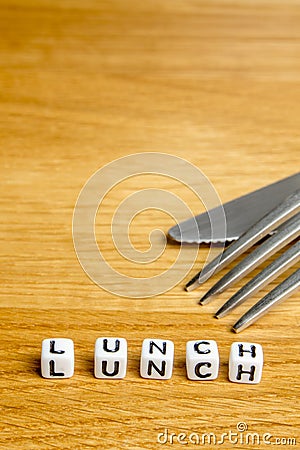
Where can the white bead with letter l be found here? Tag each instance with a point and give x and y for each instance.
(57, 358)
(157, 359)
(245, 362)
(110, 358)
(202, 360)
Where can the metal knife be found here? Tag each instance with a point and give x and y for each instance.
(241, 213)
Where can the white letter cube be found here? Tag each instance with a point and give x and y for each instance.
(157, 359)
(57, 358)
(245, 362)
(110, 358)
(202, 360)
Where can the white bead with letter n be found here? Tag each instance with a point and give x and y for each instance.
(157, 359)
(110, 358)
(57, 358)
(202, 360)
(245, 362)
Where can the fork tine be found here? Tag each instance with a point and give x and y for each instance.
(287, 231)
(269, 222)
(276, 296)
(262, 279)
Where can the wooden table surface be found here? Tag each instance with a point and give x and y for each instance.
(83, 83)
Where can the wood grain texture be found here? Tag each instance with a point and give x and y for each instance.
(83, 83)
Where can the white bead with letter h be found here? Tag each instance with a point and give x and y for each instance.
(245, 362)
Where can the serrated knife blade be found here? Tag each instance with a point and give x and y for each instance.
(241, 213)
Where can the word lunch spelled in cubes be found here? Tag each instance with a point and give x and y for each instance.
(157, 355)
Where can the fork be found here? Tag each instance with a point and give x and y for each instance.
(284, 224)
